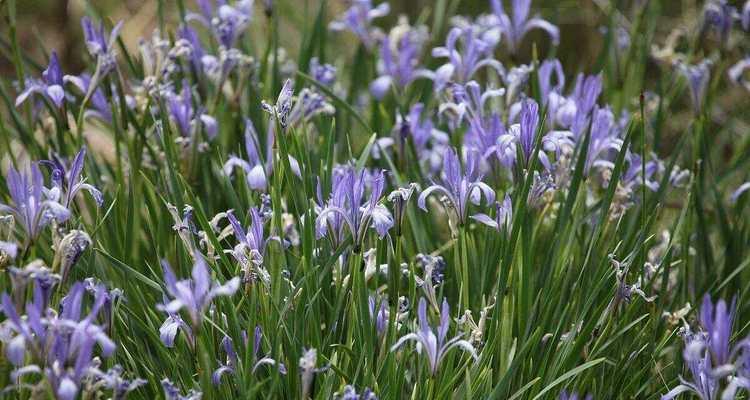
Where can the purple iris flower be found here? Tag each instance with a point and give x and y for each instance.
(459, 187)
(474, 54)
(348, 209)
(585, 94)
(308, 104)
(431, 340)
(187, 118)
(251, 249)
(703, 383)
(350, 393)
(632, 175)
(108, 298)
(195, 294)
(358, 19)
(469, 104)
(255, 238)
(564, 395)
(100, 106)
(60, 345)
(196, 47)
(528, 127)
(503, 216)
(745, 16)
(113, 379)
(522, 134)
(255, 170)
(99, 45)
(230, 366)
(170, 328)
(232, 358)
(323, 73)
(67, 180)
(379, 317)
(717, 321)
(710, 356)
(227, 22)
(515, 27)
(399, 60)
(43, 279)
(551, 79)
(419, 128)
(31, 206)
(172, 392)
(698, 76)
(718, 16)
(737, 71)
(604, 139)
(50, 86)
(428, 141)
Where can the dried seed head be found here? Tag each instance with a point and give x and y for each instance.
(69, 250)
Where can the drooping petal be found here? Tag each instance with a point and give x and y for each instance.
(67, 389)
(227, 289)
(400, 342)
(25, 94)
(216, 376)
(538, 23)
(256, 178)
(485, 219)
(56, 94)
(675, 392)
(168, 331)
(380, 86)
(422, 199)
(382, 220)
(16, 350)
(444, 320)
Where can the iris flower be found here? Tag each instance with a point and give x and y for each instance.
(459, 187)
(67, 180)
(432, 341)
(232, 357)
(358, 19)
(50, 86)
(467, 52)
(30, 206)
(399, 59)
(348, 208)
(196, 294)
(100, 45)
(503, 216)
(698, 76)
(517, 25)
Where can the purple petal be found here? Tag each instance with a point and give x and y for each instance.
(16, 350)
(380, 86)
(56, 94)
(67, 389)
(485, 219)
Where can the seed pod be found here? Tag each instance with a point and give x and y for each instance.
(69, 250)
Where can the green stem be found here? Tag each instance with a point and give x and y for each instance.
(465, 281)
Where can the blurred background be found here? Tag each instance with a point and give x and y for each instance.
(54, 24)
(44, 25)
